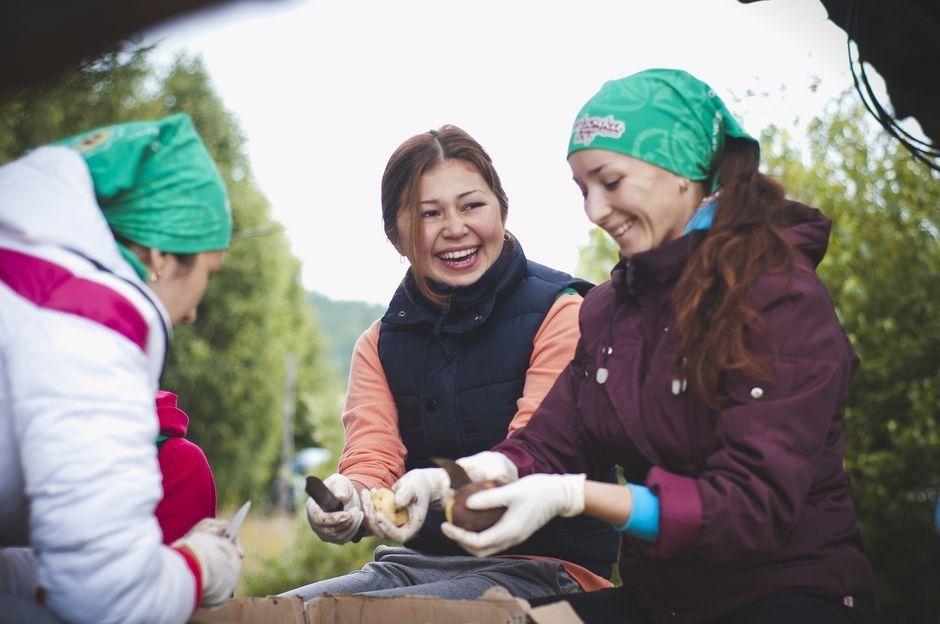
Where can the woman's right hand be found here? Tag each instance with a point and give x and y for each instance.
(219, 558)
(530, 503)
(341, 526)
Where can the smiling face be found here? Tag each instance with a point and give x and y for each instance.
(180, 286)
(461, 231)
(641, 206)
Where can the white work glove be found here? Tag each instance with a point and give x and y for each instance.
(337, 527)
(530, 503)
(220, 559)
(416, 491)
(489, 466)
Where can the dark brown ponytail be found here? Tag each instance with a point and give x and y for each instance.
(745, 241)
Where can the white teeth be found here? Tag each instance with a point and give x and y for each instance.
(623, 228)
(457, 255)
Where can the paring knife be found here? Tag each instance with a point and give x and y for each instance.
(458, 476)
(323, 497)
(318, 491)
(232, 530)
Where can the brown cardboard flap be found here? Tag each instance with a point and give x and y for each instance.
(495, 607)
(271, 610)
(348, 609)
(555, 613)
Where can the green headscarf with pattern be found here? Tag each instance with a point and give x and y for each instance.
(157, 186)
(666, 117)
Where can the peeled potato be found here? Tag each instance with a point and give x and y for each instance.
(383, 499)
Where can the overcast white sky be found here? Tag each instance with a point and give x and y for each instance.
(326, 89)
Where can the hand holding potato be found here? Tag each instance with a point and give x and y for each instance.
(458, 514)
(412, 495)
(383, 501)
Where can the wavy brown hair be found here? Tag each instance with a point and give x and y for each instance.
(745, 241)
(415, 157)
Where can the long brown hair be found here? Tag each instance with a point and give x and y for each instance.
(745, 241)
(415, 157)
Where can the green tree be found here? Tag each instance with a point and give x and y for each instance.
(231, 366)
(597, 258)
(343, 322)
(882, 272)
(99, 92)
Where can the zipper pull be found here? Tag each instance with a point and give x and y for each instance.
(679, 384)
(602, 372)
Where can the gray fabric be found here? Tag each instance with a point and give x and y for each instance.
(406, 572)
(19, 610)
(18, 567)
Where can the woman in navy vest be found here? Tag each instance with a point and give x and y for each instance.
(474, 337)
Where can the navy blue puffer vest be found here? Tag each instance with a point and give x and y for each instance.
(456, 374)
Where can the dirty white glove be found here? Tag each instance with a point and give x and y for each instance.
(489, 466)
(416, 491)
(337, 527)
(530, 501)
(220, 559)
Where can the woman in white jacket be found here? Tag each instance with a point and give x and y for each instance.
(107, 239)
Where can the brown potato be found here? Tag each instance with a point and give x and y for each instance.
(476, 520)
(383, 499)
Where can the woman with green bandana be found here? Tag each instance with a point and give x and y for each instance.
(711, 368)
(107, 240)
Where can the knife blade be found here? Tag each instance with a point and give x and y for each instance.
(236, 523)
(458, 476)
(322, 495)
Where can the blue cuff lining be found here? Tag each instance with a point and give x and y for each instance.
(644, 521)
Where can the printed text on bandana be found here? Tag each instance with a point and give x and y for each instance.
(587, 128)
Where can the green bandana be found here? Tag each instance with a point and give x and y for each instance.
(666, 117)
(157, 186)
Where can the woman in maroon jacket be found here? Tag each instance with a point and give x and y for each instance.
(712, 368)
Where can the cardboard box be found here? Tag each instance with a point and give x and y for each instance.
(495, 607)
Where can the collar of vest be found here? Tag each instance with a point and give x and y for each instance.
(468, 307)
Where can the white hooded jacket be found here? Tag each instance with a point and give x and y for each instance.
(82, 345)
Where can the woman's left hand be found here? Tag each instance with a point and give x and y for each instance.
(530, 503)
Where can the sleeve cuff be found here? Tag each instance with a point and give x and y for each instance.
(193, 563)
(644, 519)
(680, 512)
(524, 462)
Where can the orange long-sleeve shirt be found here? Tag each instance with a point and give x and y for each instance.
(374, 454)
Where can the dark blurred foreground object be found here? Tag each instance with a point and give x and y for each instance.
(40, 38)
(899, 39)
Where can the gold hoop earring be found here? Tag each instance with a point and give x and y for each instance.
(507, 236)
(684, 186)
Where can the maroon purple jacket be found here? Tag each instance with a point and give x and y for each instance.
(754, 497)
